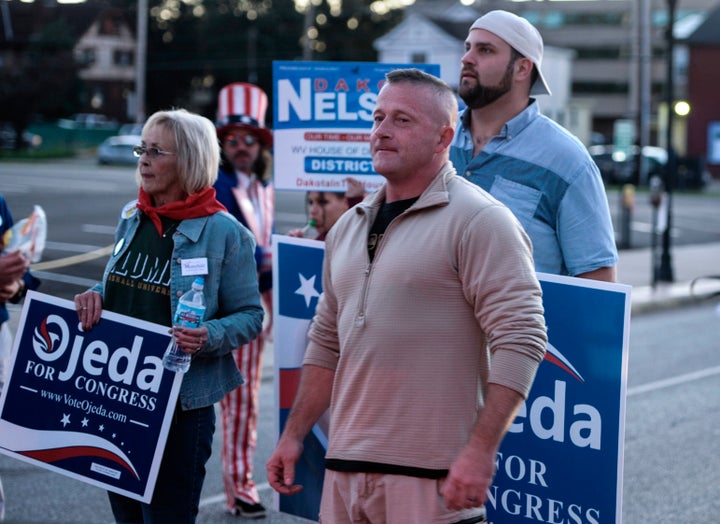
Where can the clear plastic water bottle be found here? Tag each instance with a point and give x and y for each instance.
(189, 313)
(308, 227)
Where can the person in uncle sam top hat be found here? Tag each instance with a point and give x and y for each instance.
(244, 187)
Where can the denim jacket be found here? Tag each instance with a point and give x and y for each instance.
(234, 314)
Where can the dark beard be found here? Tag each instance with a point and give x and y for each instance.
(482, 96)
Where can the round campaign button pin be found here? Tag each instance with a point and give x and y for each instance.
(129, 210)
(118, 246)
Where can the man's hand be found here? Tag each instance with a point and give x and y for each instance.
(312, 400)
(472, 472)
(281, 466)
(468, 480)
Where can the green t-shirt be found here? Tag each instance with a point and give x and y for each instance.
(139, 283)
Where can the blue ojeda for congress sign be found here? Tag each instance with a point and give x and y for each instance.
(561, 461)
(95, 406)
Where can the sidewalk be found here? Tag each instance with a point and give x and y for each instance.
(688, 263)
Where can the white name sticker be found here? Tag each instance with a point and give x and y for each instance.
(194, 266)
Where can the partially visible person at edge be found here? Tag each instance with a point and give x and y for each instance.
(326, 207)
(177, 219)
(244, 187)
(15, 280)
(534, 166)
(420, 396)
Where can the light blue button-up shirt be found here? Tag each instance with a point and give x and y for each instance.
(549, 181)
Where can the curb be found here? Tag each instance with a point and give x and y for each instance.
(647, 299)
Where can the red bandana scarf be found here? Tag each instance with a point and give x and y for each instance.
(197, 205)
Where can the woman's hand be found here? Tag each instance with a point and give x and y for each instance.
(12, 267)
(89, 308)
(297, 233)
(7, 291)
(190, 340)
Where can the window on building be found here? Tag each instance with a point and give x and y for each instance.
(604, 88)
(558, 19)
(418, 58)
(123, 57)
(85, 57)
(598, 53)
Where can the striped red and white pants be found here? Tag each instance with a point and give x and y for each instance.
(239, 425)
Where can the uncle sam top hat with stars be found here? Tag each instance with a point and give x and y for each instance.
(243, 105)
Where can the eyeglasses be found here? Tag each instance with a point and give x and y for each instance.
(248, 140)
(152, 152)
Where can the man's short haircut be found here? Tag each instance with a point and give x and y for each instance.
(419, 77)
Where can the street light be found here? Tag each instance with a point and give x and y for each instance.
(664, 271)
(682, 108)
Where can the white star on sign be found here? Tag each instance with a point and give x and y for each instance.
(307, 288)
(65, 420)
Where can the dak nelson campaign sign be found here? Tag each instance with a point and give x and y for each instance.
(95, 406)
(322, 116)
(561, 461)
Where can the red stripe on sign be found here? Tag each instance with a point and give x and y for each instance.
(51, 456)
(289, 382)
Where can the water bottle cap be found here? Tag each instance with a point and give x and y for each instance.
(199, 281)
(311, 223)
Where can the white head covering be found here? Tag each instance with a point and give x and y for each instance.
(522, 36)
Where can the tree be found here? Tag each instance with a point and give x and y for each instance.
(45, 82)
(193, 52)
(196, 47)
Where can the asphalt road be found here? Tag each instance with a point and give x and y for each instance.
(671, 463)
(82, 202)
(672, 467)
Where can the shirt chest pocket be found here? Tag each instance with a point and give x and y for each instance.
(522, 200)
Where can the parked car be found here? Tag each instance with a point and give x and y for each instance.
(118, 150)
(88, 121)
(131, 129)
(617, 167)
(8, 134)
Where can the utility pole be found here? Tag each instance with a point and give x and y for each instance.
(141, 60)
(309, 20)
(665, 270)
(252, 35)
(7, 22)
(644, 73)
